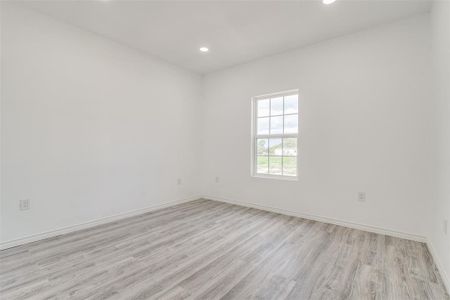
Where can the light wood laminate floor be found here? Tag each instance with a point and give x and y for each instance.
(211, 250)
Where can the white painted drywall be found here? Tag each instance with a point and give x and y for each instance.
(366, 124)
(90, 128)
(441, 54)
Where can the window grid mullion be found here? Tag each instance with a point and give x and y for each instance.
(255, 141)
(282, 145)
(270, 131)
(276, 136)
(291, 114)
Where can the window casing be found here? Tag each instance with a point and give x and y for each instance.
(275, 135)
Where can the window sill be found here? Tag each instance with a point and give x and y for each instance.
(276, 177)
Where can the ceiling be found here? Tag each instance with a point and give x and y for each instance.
(235, 31)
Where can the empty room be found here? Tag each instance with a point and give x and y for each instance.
(225, 149)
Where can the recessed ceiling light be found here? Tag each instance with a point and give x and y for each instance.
(204, 49)
(328, 1)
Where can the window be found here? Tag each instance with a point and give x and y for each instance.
(275, 135)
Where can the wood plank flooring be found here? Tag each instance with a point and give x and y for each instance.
(210, 250)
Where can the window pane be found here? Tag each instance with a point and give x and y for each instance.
(263, 107)
(275, 147)
(290, 166)
(276, 106)
(275, 165)
(277, 121)
(263, 126)
(262, 164)
(291, 104)
(276, 125)
(291, 124)
(290, 146)
(262, 146)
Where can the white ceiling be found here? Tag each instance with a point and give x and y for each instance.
(235, 31)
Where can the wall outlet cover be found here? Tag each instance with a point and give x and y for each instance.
(24, 204)
(361, 196)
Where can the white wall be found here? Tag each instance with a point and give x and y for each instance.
(366, 124)
(90, 128)
(441, 53)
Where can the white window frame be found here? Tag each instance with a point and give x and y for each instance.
(254, 135)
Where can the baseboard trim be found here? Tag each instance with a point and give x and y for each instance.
(439, 265)
(104, 220)
(92, 223)
(364, 227)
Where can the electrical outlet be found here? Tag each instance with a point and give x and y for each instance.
(445, 226)
(217, 179)
(24, 204)
(362, 197)
(179, 181)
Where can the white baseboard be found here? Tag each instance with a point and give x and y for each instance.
(439, 265)
(104, 220)
(364, 227)
(408, 236)
(92, 223)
